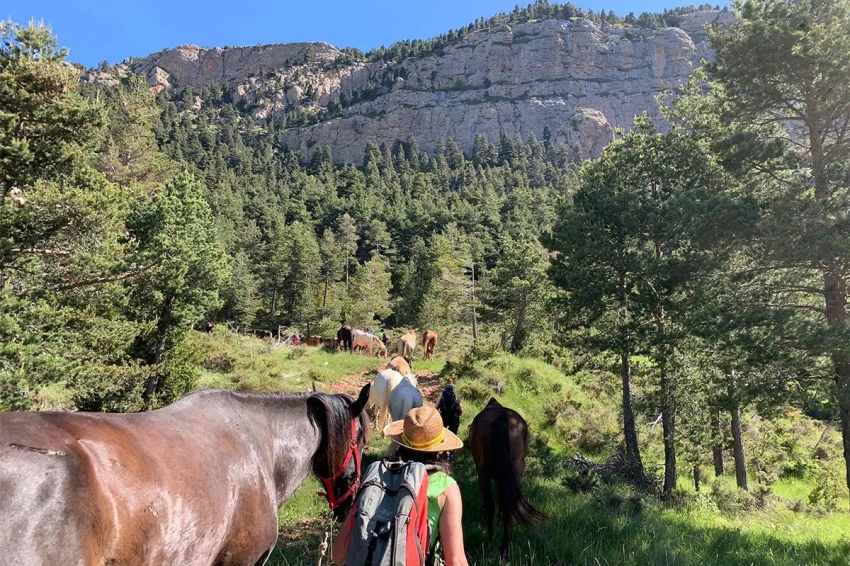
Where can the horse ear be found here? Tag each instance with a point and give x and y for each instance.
(360, 404)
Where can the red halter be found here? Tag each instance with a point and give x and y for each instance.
(333, 500)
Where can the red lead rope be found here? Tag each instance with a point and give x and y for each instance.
(333, 501)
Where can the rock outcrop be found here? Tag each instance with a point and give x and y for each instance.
(578, 79)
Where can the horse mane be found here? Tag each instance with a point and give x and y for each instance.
(331, 415)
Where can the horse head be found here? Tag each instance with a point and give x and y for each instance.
(344, 430)
(413, 378)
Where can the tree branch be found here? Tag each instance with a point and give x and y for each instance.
(99, 280)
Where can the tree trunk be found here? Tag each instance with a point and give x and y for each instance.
(737, 437)
(629, 429)
(474, 320)
(834, 289)
(697, 478)
(518, 329)
(842, 380)
(835, 295)
(668, 424)
(325, 295)
(162, 329)
(717, 447)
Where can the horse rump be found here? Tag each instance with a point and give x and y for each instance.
(514, 507)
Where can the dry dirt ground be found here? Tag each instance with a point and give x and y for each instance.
(429, 384)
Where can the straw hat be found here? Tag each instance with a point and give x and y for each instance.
(422, 430)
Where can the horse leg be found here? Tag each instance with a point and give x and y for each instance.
(503, 548)
(487, 507)
(382, 417)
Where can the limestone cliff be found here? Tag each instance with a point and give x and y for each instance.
(580, 79)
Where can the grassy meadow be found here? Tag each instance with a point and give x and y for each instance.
(591, 521)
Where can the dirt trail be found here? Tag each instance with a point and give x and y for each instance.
(429, 384)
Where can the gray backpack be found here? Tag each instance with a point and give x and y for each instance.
(389, 521)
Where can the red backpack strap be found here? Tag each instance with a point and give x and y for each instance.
(418, 531)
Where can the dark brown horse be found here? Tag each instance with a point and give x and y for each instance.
(196, 483)
(343, 335)
(498, 439)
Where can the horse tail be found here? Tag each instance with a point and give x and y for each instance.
(513, 505)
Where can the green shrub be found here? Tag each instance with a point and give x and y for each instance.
(115, 389)
(826, 490)
(802, 468)
(730, 499)
(580, 481)
(474, 390)
(221, 362)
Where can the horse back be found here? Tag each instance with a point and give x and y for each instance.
(133, 489)
(47, 514)
(487, 429)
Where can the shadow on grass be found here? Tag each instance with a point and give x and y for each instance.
(585, 529)
(581, 529)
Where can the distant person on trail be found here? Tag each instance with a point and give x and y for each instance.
(208, 327)
(450, 408)
(384, 337)
(295, 340)
(421, 437)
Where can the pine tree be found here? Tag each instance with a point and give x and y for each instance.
(517, 289)
(784, 69)
(183, 268)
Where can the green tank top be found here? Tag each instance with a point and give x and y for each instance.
(438, 482)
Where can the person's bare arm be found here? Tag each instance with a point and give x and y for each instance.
(338, 550)
(451, 528)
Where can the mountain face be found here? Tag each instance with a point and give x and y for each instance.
(576, 79)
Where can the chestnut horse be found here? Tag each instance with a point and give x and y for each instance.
(196, 483)
(400, 365)
(498, 440)
(429, 342)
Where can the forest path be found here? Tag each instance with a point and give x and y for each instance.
(429, 383)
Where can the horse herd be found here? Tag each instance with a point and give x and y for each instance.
(353, 339)
(200, 482)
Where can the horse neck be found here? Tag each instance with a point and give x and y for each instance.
(294, 438)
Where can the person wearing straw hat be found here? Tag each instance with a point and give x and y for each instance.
(421, 437)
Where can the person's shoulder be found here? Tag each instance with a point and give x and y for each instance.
(441, 478)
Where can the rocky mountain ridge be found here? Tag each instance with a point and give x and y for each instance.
(576, 79)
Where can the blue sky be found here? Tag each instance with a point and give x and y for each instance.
(111, 30)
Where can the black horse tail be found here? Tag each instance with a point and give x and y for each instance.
(514, 508)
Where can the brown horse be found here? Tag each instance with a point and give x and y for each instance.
(196, 483)
(498, 439)
(400, 365)
(406, 345)
(429, 342)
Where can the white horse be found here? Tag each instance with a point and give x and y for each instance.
(379, 394)
(361, 339)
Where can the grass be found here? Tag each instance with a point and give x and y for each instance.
(248, 363)
(608, 525)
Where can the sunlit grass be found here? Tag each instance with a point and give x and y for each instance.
(245, 362)
(567, 413)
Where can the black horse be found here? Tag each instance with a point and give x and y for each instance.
(498, 439)
(343, 336)
(196, 483)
